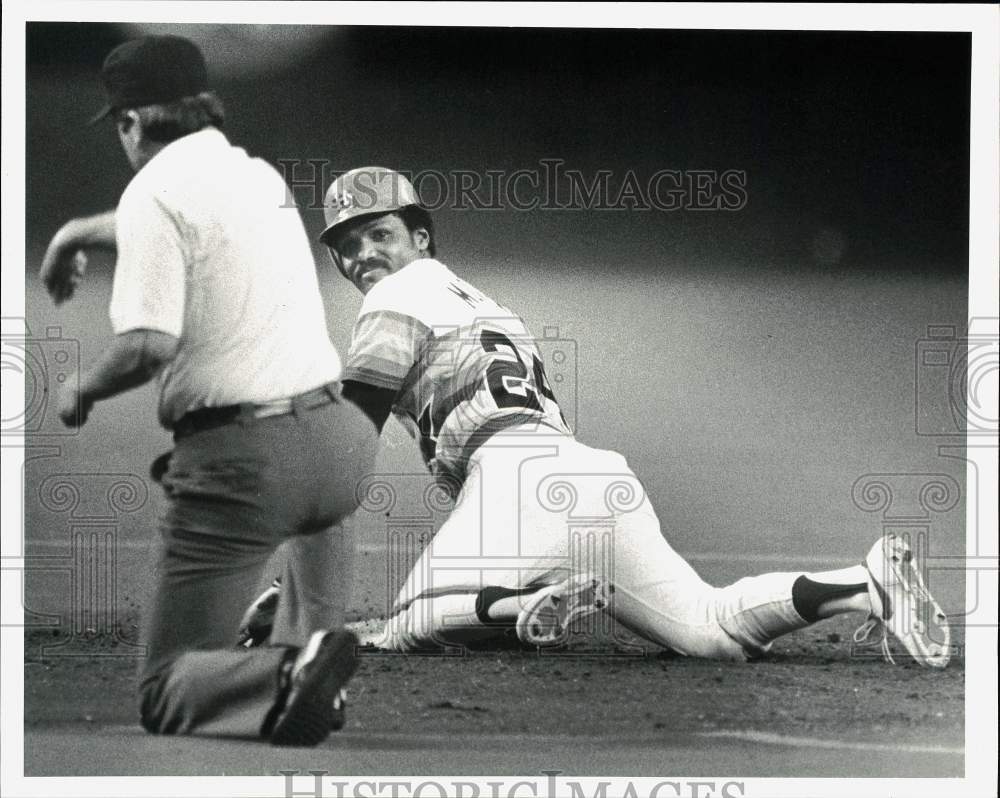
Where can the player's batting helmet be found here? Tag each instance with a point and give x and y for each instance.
(370, 189)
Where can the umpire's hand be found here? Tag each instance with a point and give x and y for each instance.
(65, 261)
(62, 268)
(74, 408)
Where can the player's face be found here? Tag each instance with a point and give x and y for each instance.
(372, 249)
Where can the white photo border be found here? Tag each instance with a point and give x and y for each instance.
(979, 20)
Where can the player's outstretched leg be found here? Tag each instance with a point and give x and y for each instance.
(887, 585)
(660, 597)
(415, 624)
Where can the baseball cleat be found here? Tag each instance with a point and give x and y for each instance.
(255, 626)
(902, 605)
(313, 696)
(548, 614)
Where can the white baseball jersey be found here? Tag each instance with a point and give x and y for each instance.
(465, 367)
(211, 250)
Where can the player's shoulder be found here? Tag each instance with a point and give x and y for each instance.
(418, 290)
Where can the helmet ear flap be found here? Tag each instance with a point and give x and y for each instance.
(335, 257)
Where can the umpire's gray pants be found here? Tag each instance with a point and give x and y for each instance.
(236, 492)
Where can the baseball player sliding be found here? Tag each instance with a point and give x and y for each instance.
(463, 373)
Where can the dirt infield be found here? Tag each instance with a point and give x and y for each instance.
(810, 708)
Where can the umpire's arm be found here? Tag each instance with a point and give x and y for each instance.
(147, 300)
(132, 359)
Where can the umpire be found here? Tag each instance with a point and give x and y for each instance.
(215, 291)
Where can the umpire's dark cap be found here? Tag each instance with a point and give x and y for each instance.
(151, 70)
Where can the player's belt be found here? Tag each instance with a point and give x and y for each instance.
(207, 418)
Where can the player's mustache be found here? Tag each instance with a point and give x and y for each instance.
(369, 265)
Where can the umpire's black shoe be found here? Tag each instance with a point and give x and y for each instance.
(306, 711)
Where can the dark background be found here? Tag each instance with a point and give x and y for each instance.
(856, 138)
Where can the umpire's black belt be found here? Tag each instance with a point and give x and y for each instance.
(207, 418)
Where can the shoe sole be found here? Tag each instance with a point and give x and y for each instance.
(257, 622)
(546, 619)
(309, 716)
(909, 623)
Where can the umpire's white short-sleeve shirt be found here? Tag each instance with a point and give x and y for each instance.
(212, 251)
